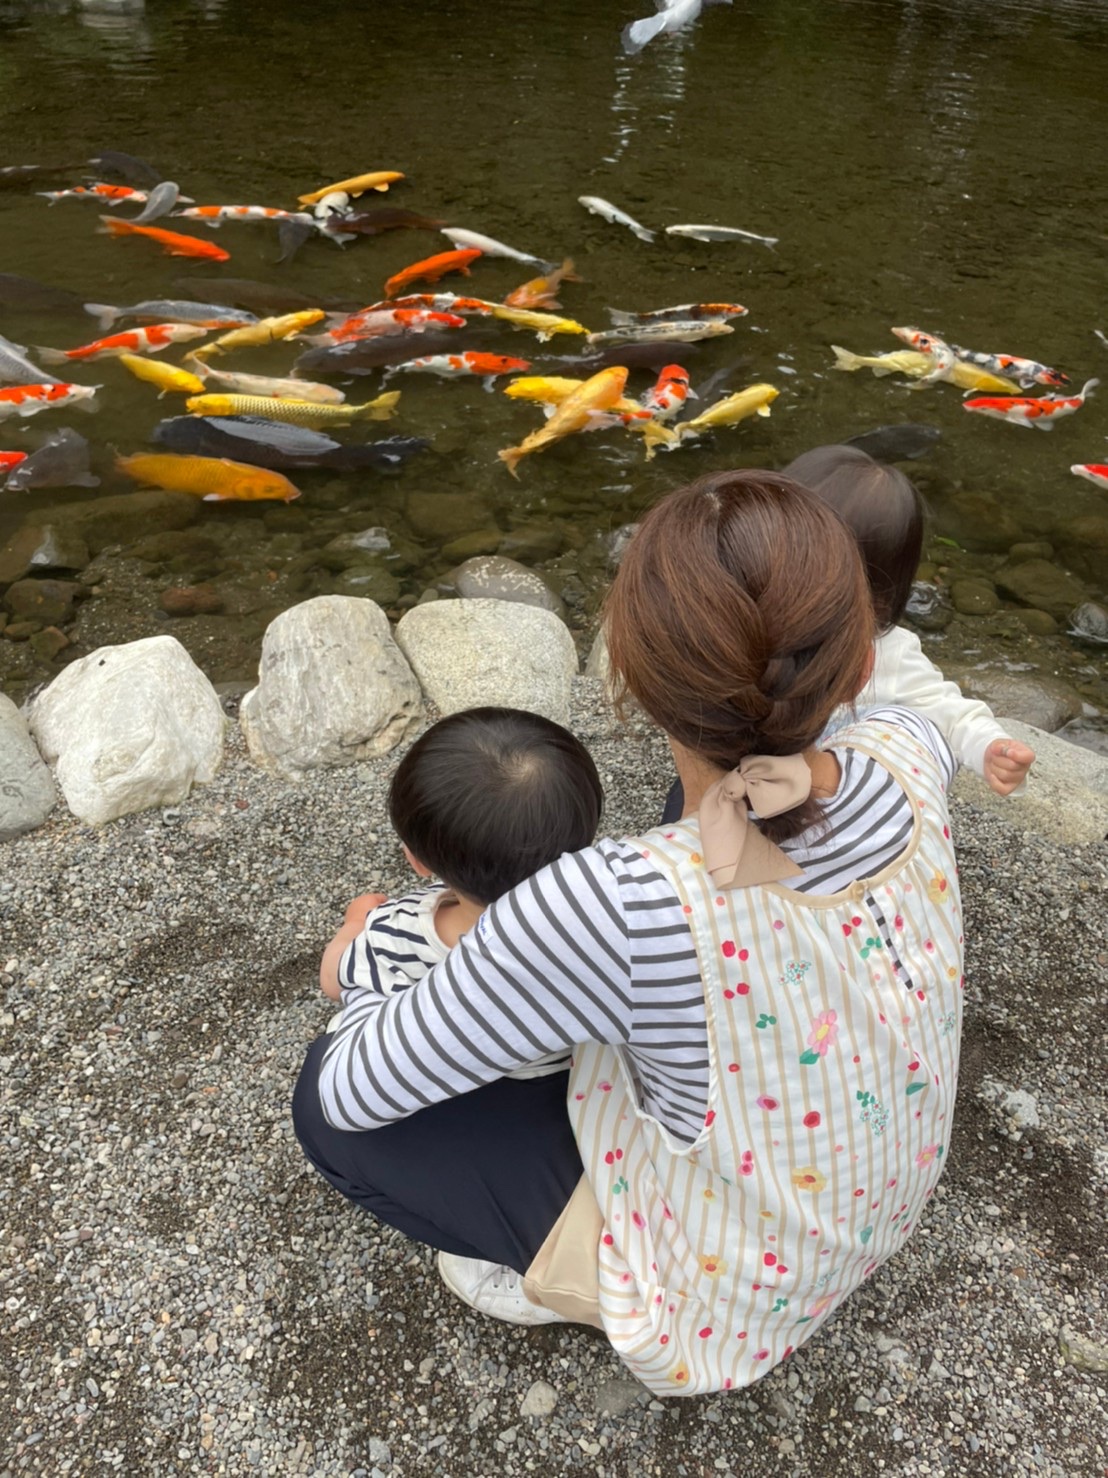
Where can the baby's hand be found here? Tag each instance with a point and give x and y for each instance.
(1007, 762)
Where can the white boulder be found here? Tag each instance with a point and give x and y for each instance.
(467, 653)
(333, 688)
(129, 727)
(26, 789)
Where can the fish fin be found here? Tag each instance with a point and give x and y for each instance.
(638, 34)
(645, 234)
(844, 358)
(1088, 387)
(763, 410)
(213, 498)
(621, 316)
(489, 383)
(511, 456)
(104, 313)
(89, 406)
(51, 356)
(112, 228)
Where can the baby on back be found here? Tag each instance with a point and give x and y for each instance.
(483, 800)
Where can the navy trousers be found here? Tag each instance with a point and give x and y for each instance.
(483, 1175)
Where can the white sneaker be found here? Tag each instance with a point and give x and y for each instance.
(493, 1289)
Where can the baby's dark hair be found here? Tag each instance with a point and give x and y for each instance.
(883, 511)
(489, 796)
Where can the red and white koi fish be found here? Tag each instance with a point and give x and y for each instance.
(1022, 410)
(939, 350)
(215, 215)
(1095, 472)
(487, 366)
(683, 313)
(28, 400)
(1025, 372)
(668, 394)
(150, 340)
(8, 460)
(112, 195)
(379, 323)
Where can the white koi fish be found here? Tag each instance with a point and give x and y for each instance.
(612, 213)
(721, 233)
(673, 15)
(492, 248)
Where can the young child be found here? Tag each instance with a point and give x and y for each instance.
(483, 800)
(885, 513)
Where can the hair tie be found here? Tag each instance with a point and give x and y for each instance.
(736, 853)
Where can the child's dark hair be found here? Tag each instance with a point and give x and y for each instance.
(489, 796)
(883, 511)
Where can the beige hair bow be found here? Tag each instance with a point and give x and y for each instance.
(735, 852)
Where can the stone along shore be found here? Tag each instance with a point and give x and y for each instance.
(182, 1294)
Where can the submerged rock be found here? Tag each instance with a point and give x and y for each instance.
(926, 609)
(1090, 622)
(46, 601)
(472, 652)
(974, 597)
(1034, 698)
(26, 790)
(48, 547)
(332, 688)
(1038, 583)
(493, 577)
(444, 516)
(126, 517)
(129, 727)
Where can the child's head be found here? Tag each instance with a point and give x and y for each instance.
(882, 509)
(489, 796)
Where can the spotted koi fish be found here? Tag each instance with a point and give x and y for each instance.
(8, 460)
(28, 400)
(377, 323)
(215, 215)
(487, 366)
(683, 313)
(112, 195)
(669, 393)
(1025, 372)
(1022, 410)
(940, 351)
(1095, 472)
(150, 340)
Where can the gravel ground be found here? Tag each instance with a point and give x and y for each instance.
(181, 1294)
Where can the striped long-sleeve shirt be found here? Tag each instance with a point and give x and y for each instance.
(594, 948)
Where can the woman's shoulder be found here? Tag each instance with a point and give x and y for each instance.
(900, 733)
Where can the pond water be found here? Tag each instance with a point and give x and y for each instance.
(921, 161)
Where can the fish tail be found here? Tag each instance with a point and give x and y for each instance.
(112, 227)
(192, 358)
(844, 359)
(569, 272)
(51, 356)
(380, 409)
(104, 313)
(1088, 387)
(89, 406)
(511, 457)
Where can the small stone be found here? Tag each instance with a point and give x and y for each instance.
(1030, 549)
(378, 1452)
(191, 600)
(444, 516)
(1038, 583)
(21, 630)
(481, 541)
(493, 577)
(1038, 623)
(1083, 1353)
(926, 609)
(46, 601)
(46, 644)
(863, 1403)
(50, 547)
(974, 597)
(540, 1400)
(1090, 622)
(616, 1396)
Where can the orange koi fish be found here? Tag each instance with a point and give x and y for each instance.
(576, 412)
(113, 194)
(215, 479)
(432, 268)
(488, 366)
(150, 340)
(1096, 472)
(540, 291)
(170, 241)
(1025, 410)
(379, 179)
(8, 460)
(28, 400)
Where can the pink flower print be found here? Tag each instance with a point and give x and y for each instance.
(746, 1164)
(821, 1038)
(928, 1155)
(639, 1220)
(728, 948)
(766, 1102)
(604, 1087)
(821, 1305)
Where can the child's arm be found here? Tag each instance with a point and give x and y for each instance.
(903, 675)
(352, 926)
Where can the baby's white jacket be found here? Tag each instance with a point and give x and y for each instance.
(904, 676)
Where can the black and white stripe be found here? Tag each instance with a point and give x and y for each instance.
(593, 948)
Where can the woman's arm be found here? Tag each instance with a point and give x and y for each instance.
(546, 967)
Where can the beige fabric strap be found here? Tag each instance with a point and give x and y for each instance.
(565, 1273)
(735, 852)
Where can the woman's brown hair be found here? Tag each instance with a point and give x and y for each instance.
(883, 510)
(739, 619)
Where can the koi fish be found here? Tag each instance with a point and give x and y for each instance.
(661, 333)
(721, 233)
(1025, 372)
(113, 194)
(165, 376)
(215, 215)
(258, 297)
(28, 400)
(127, 166)
(386, 218)
(669, 393)
(430, 269)
(488, 366)
(150, 340)
(279, 444)
(545, 325)
(616, 217)
(1024, 410)
(204, 315)
(551, 391)
(299, 412)
(432, 302)
(683, 314)
(17, 369)
(915, 365)
(599, 393)
(376, 323)
(755, 400)
(160, 202)
(540, 291)
(62, 461)
(265, 385)
(490, 247)
(943, 356)
(8, 460)
(364, 356)
(379, 179)
(673, 15)
(264, 331)
(170, 241)
(1095, 472)
(215, 479)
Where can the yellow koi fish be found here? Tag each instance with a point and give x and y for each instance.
(552, 390)
(915, 365)
(755, 400)
(379, 179)
(265, 331)
(298, 412)
(281, 389)
(165, 376)
(599, 393)
(215, 479)
(544, 324)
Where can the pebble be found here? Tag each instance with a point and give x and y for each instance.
(540, 1400)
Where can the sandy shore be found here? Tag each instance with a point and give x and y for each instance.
(181, 1294)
